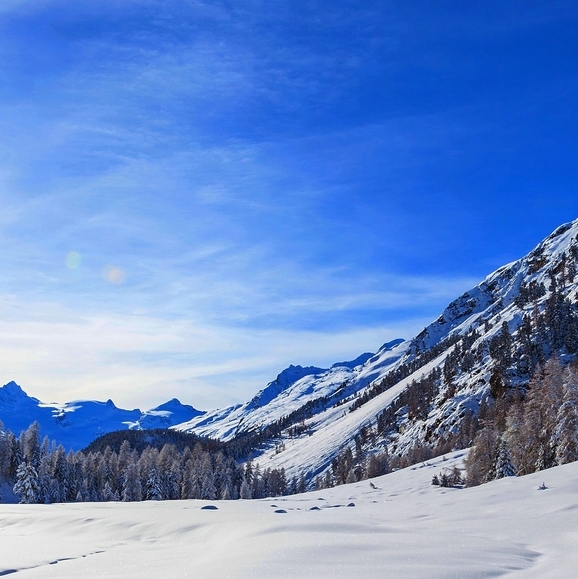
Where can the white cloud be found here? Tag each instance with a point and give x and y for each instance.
(59, 355)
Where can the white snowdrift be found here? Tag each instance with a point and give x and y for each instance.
(405, 528)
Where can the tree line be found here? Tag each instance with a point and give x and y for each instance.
(42, 472)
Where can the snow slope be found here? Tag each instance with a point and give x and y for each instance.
(293, 388)
(405, 528)
(330, 432)
(484, 309)
(76, 424)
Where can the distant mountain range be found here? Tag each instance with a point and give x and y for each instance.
(414, 392)
(76, 424)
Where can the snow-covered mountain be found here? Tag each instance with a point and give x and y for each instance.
(420, 392)
(409, 393)
(291, 390)
(76, 424)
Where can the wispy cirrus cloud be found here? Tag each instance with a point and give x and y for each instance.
(244, 186)
(140, 360)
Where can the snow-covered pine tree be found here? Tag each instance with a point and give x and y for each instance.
(27, 486)
(226, 494)
(108, 494)
(112, 474)
(503, 466)
(132, 488)
(30, 445)
(153, 491)
(75, 475)
(168, 462)
(208, 490)
(245, 492)
(54, 493)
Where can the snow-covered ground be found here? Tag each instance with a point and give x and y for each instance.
(404, 528)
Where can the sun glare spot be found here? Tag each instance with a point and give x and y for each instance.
(114, 275)
(72, 259)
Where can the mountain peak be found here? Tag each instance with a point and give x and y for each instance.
(353, 363)
(175, 404)
(562, 229)
(12, 392)
(391, 345)
(285, 379)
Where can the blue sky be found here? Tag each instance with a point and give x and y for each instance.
(197, 194)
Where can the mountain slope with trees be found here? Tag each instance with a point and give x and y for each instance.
(496, 369)
(479, 355)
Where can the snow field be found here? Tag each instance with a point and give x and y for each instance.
(405, 528)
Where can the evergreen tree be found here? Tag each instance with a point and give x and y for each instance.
(153, 491)
(30, 445)
(541, 408)
(54, 492)
(6, 447)
(27, 486)
(132, 488)
(76, 478)
(248, 474)
(187, 480)
(196, 489)
(168, 462)
(208, 490)
(571, 339)
(245, 492)
(515, 436)
(124, 456)
(207, 478)
(302, 484)
(108, 494)
(503, 466)
(226, 494)
(60, 474)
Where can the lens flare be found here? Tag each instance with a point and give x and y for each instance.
(114, 275)
(72, 259)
